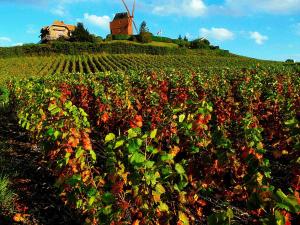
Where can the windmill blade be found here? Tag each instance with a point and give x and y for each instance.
(135, 27)
(126, 8)
(133, 9)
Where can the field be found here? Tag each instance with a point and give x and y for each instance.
(60, 64)
(144, 139)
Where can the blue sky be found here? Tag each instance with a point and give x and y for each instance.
(266, 29)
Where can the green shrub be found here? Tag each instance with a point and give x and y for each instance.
(6, 195)
(145, 37)
(224, 52)
(214, 47)
(121, 37)
(290, 61)
(81, 34)
(182, 43)
(97, 39)
(200, 44)
(109, 37)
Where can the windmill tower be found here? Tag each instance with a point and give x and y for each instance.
(122, 23)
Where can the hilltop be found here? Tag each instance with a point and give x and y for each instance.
(113, 46)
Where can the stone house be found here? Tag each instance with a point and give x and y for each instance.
(56, 30)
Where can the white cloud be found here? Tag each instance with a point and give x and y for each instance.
(59, 11)
(30, 29)
(220, 34)
(191, 8)
(100, 21)
(5, 39)
(297, 28)
(258, 38)
(60, 7)
(45, 2)
(18, 44)
(267, 6)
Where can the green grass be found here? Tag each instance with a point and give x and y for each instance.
(4, 98)
(7, 172)
(6, 194)
(153, 43)
(162, 44)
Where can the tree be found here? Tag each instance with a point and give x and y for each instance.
(145, 36)
(143, 27)
(81, 34)
(185, 38)
(180, 38)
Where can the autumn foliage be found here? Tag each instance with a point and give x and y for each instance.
(170, 147)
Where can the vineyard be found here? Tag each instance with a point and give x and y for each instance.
(182, 146)
(59, 64)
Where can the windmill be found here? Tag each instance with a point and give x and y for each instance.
(122, 22)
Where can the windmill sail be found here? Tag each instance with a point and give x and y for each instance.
(133, 9)
(126, 8)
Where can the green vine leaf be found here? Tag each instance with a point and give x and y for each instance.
(119, 144)
(110, 137)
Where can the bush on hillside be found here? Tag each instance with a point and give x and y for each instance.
(122, 37)
(290, 61)
(214, 47)
(145, 37)
(182, 43)
(224, 52)
(81, 34)
(200, 44)
(97, 39)
(109, 37)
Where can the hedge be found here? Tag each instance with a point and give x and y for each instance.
(78, 48)
(122, 37)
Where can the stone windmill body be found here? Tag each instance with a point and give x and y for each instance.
(122, 22)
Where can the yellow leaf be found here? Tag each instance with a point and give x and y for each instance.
(20, 217)
(183, 218)
(260, 146)
(175, 150)
(285, 152)
(136, 222)
(156, 196)
(163, 207)
(182, 198)
(259, 178)
(160, 189)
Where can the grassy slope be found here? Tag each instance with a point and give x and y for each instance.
(163, 44)
(153, 43)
